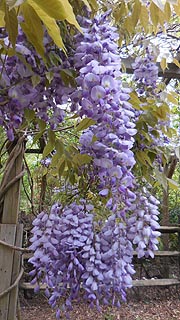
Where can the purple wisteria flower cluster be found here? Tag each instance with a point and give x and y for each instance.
(102, 97)
(145, 76)
(71, 255)
(145, 73)
(143, 224)
(24, 85)
(79, 252)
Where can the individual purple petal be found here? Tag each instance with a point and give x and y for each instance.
(97, 93)
(104, 192)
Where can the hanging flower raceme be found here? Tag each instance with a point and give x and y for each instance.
(100, 96)
(145, 73)
(146, 76)
(98, 258)
(70, 255)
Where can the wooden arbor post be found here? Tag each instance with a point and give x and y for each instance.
(10, 231)
(169, 171)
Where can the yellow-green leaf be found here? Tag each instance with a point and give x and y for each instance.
(48, 149)
(41, 124)
(177, 8)
(59, 146)
(161, 178)
(143, 158)
(173, 184)
(172, 99)
(154, 12)
(144, 18)
(50, 24)
(163, 64)
(85, 123)
(136, 102)
(81, 159)
(2, 22)
(56, 9)
(159, 4)
(136, 12)
(177, 152)
(61, 167)
(128, 25)
(52, 137)
(11, 24)
(33, 28)
(38, 136)
(35, 79)
(43, 171)
(176, 62)
(119, 12)
(167, 11)
(29, 114)
(94, 4)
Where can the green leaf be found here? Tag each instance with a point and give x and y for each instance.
(61, 167)
(44, 171)
(54, 160)
(154, 13)
(49, 22)
(160, 113)
(172, 99)
(56, 9)
(161, 178)
(135, 101)
(68, 77)
(52, 137)
(94, 4)
(177, 7)
(144, 18)
(48, 149)
(119, 12)
(49, 76)
(143, 158)
(176, 62)
(11, 25)
(173, 184)
(128, 25)
(136, 12)
(42, 124)
(177, 152)
(38, 136)
(2, 14)
(33, 28)
(59, 146)
(72, 177)
(167, 11)
(159, 4)
(152, 155)
(85, 123)
(35, 79)
(29, 114)
(163, 64)
(81, 159)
